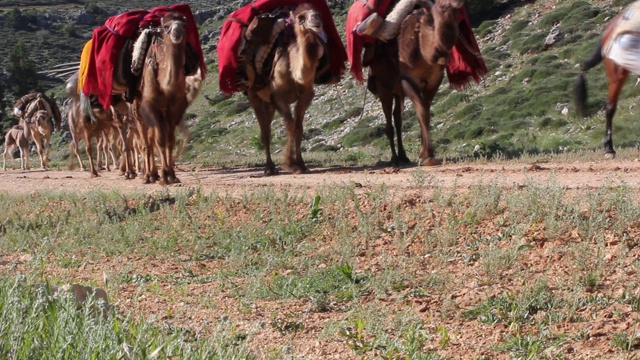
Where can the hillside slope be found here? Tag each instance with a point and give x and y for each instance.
(522, 106)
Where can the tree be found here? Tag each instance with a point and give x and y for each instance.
(15, 19)
(22, 70)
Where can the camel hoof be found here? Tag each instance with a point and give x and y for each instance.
(270, 171)
(610, 155)
(430, 162)
(296, 169)
(94, 175)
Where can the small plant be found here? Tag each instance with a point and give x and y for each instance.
(285, 326)
(625, 342)
(591, 280)
(355, 337)
(316, 210)
(445, 339)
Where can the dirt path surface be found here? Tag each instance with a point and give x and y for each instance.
(573, 175)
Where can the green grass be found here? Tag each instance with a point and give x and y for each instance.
(352, 254)
(36, 326)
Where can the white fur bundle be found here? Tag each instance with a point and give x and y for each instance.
(140, 51)
(394, 19)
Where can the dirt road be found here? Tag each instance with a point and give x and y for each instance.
(573, 175)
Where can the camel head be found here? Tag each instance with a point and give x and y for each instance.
(445, 29)
(174, 26)
(305, 16)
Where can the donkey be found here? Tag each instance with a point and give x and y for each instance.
(17, 136)
(38, 118)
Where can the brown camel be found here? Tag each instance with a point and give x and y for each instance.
(162, 100)
(37, 117)
(17, 136)
(289, 80)
(413, 65)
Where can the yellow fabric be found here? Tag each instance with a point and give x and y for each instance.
(85, 57)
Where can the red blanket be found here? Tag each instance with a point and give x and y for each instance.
(110, 38)
(359, 11)
(231, 38)
(463, 65)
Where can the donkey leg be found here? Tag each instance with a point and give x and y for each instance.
(617, 76)
(40, 151)
(76, 150)
(24, 154)
(4, 157)
(89, 150)
(126, 167)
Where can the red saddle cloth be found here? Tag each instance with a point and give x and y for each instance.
(109, 39)
(464, 63)
(232, 31)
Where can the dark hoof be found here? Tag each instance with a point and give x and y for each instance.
(430, 162)
(610, 155)
(270, 171)
(94, 175)
(146, 181)
(400, 161)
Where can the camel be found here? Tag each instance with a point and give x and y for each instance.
(37, 117)
(289, 80)
(161, 102)
(413, 65)
(17, 136)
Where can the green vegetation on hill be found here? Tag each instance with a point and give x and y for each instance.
(518, 107)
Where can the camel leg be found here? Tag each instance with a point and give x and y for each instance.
(162, 141)
(301, 107)
(289, 161)
(397, 119)
(386, 100)
(264, 113)
(422, 105)
(617, 76)
(172, 160)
